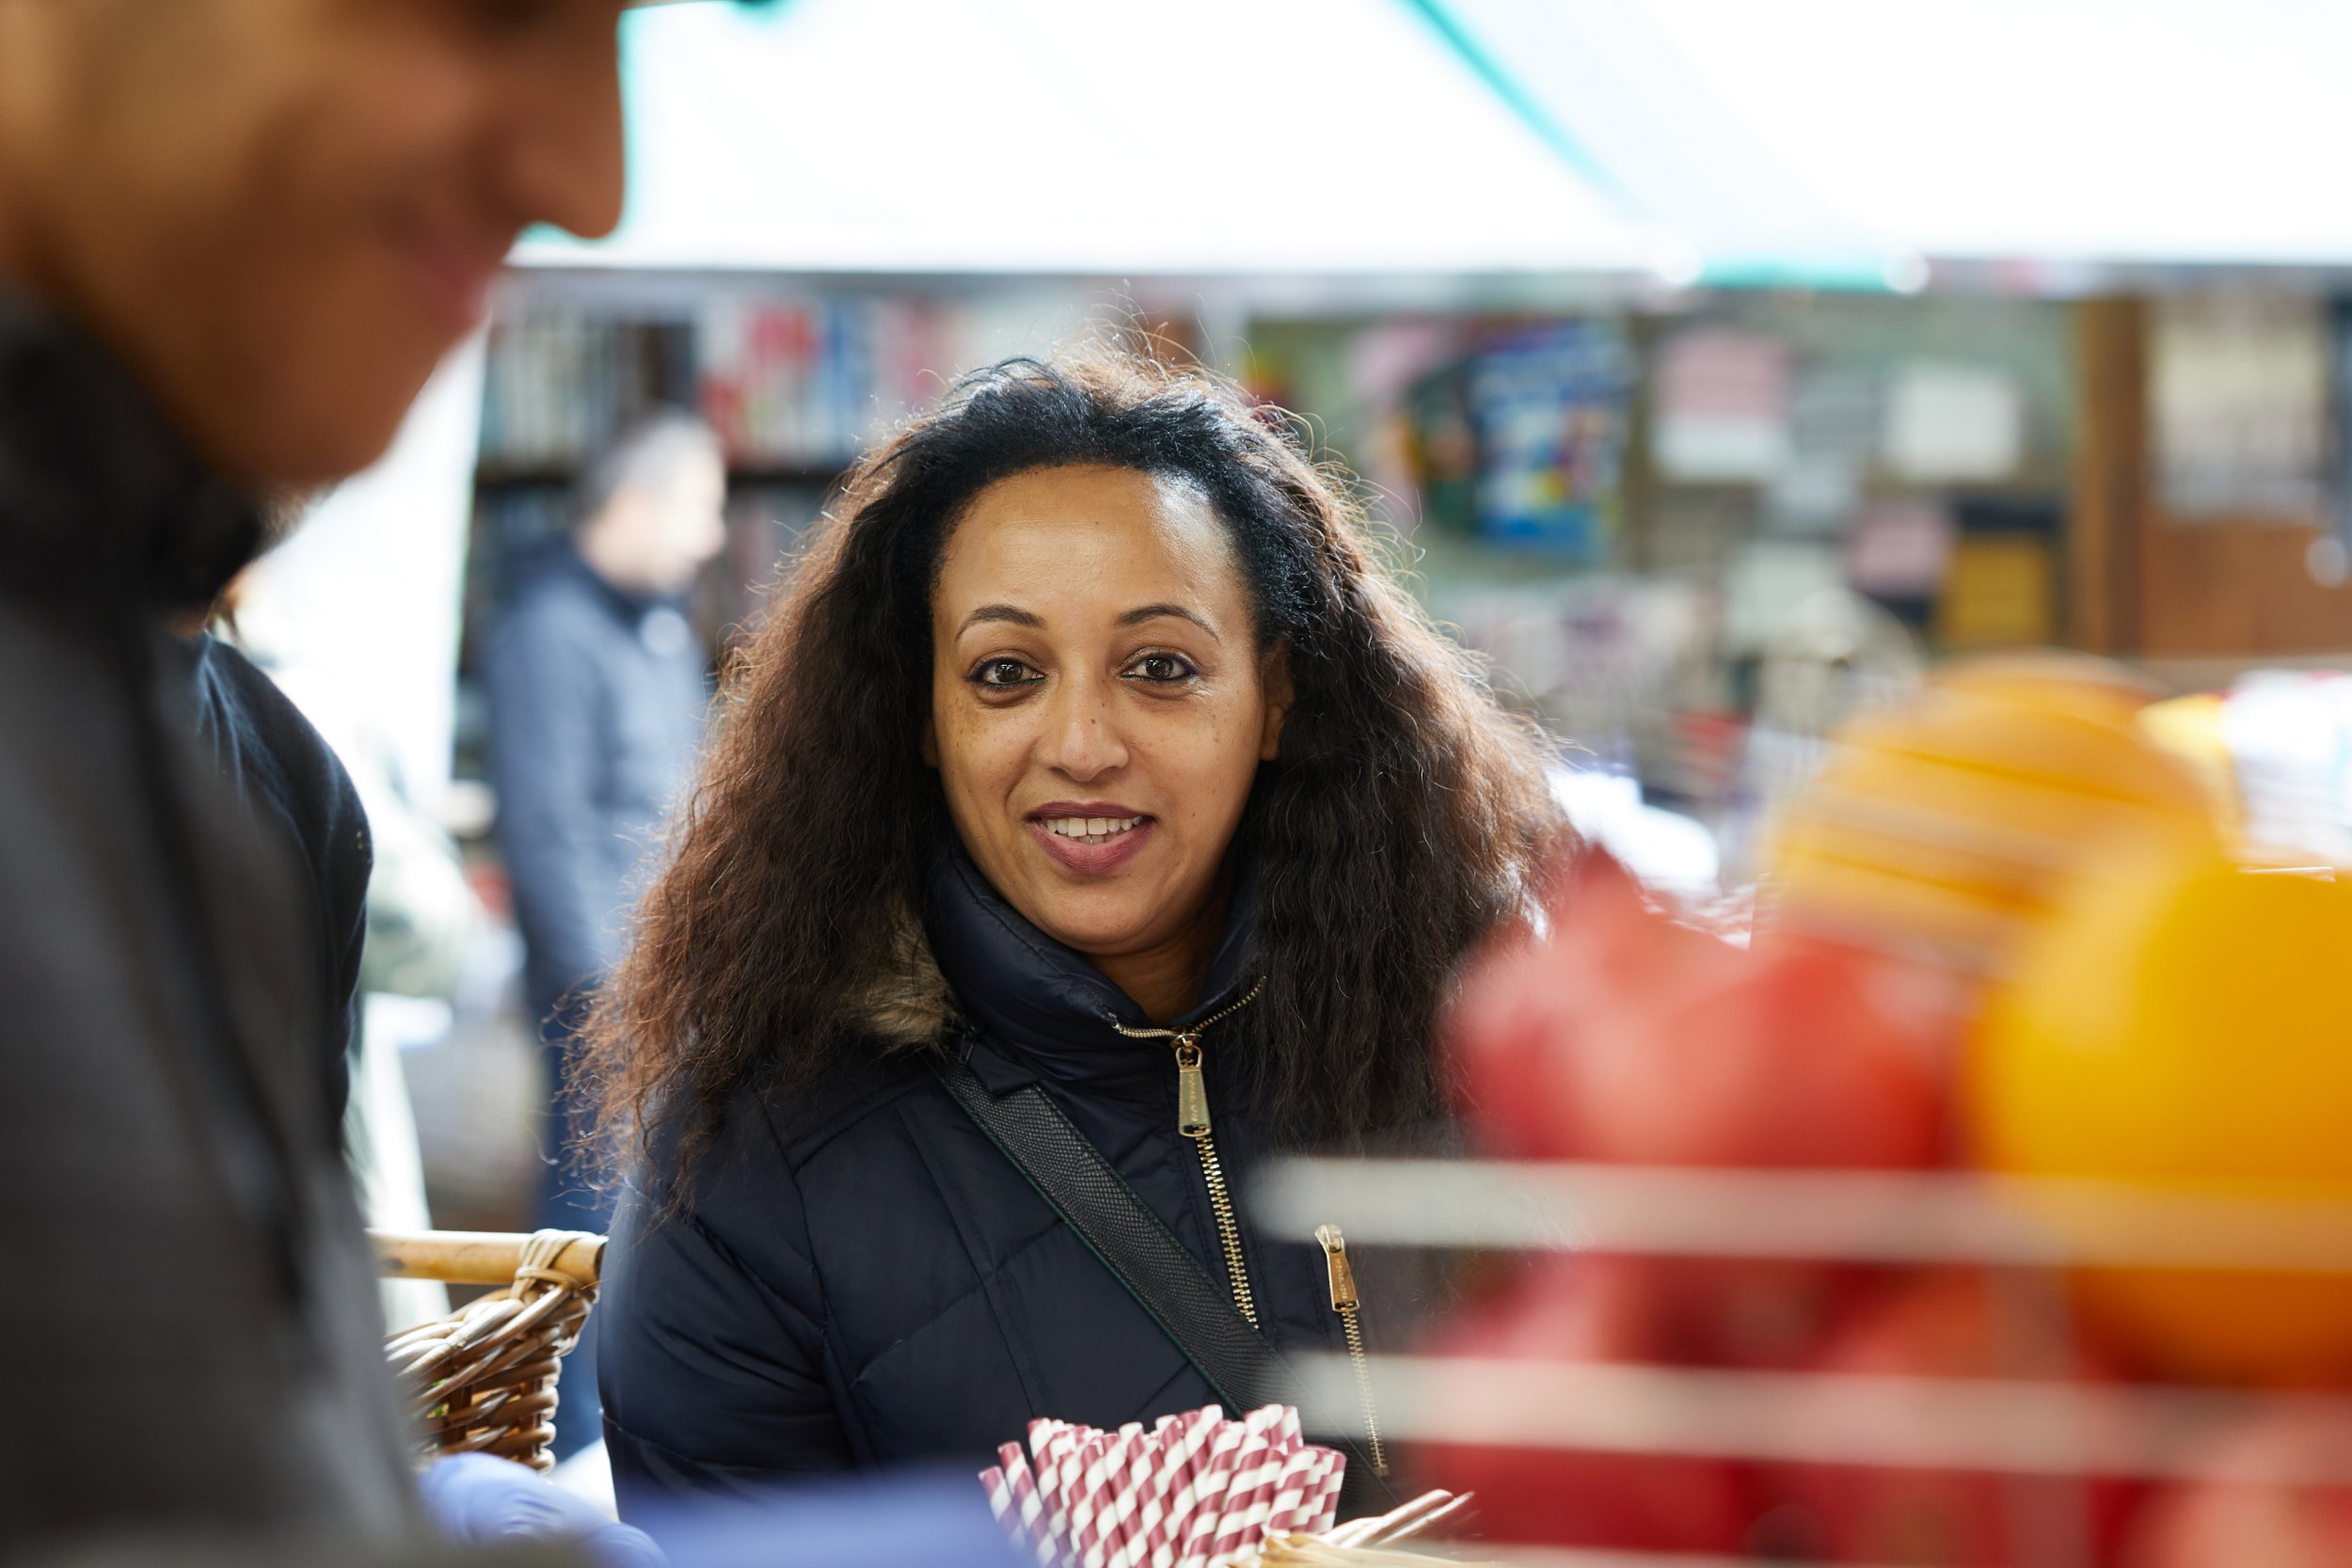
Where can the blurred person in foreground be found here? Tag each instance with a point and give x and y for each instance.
(1092, 747)
(294, 786)
(235, 237)
(597, 690)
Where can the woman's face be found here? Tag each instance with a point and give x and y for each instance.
(1099, 706)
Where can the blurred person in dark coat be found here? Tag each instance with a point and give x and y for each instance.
(235, 237)
(598, 686)
(597, 690)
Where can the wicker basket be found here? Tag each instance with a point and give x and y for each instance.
(481, 1380)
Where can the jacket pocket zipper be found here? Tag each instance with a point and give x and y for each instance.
(1350, 1308)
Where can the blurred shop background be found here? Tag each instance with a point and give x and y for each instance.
(1723, 370)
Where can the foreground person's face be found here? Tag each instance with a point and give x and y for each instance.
(281, 214)
(1099, 703)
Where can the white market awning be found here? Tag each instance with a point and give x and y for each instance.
(2127, 133)
(1085, 137)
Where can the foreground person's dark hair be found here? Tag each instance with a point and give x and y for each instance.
(1399, 825)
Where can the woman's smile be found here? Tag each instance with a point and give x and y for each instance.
(1089, 838)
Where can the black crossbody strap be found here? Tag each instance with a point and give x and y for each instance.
(1191, 1308)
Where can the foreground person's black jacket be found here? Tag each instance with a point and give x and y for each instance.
(188, 1328)
(862, 1278)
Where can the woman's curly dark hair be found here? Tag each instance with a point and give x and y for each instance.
(1402, 821)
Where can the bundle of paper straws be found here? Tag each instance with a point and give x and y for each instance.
(1194, 1489)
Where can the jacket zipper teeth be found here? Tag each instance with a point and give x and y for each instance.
(1227, 1230)
(1192, 1118)
(1345, 1301)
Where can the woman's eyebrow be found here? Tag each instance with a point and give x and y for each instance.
(1152, 611)
(1012, 613)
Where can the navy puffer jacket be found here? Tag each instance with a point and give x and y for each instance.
(861, 1278)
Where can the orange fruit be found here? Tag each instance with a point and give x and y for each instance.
(1951, 818)
(2082, 684)
(2183, 1023)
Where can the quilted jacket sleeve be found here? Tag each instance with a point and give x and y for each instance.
(712, 1347)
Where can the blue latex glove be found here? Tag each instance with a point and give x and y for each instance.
(477, 1500)
(932, 1519)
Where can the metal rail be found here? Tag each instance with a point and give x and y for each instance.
(1866, 1216)
(1994, 1425)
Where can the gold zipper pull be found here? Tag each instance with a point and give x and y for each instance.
(1335, 1257)
(1192, 1090)
(1349, 1307)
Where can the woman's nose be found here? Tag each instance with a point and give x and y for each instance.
(1082, 738)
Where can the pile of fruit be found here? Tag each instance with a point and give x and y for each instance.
(2007, 930)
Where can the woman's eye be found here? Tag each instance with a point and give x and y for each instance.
(1160, 667)
(1004, 671)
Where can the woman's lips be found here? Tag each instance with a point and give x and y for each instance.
(1077, 856)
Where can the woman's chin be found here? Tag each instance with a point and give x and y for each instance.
(1100, 921)
(1100, 934)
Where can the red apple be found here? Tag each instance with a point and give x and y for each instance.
(1956, 1324)
(1584, 1309)
(1761, 1314)
(2242, 1515)
(1620, 1035)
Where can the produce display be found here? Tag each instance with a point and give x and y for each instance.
(2011, 941)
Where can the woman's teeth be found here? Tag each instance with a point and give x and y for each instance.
(1091, 830)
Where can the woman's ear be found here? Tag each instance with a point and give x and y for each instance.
(930, 742)
(1274, 679)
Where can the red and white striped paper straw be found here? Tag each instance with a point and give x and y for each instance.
(1107, 1474)
(1028, 1507)
(1326, 1494)
(1186, 1464)
(1093, 1518)
(1120, 1501)
(1286, 1426)
(1071, 1464)
(1246, 1495)
(1187, 1439)
(1197, 1432)
(1051, 1463)
(1143, 1504)
(1284, 1516)
(1216, 1472)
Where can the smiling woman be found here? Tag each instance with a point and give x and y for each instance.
(1080, 645)
(1089, 750)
